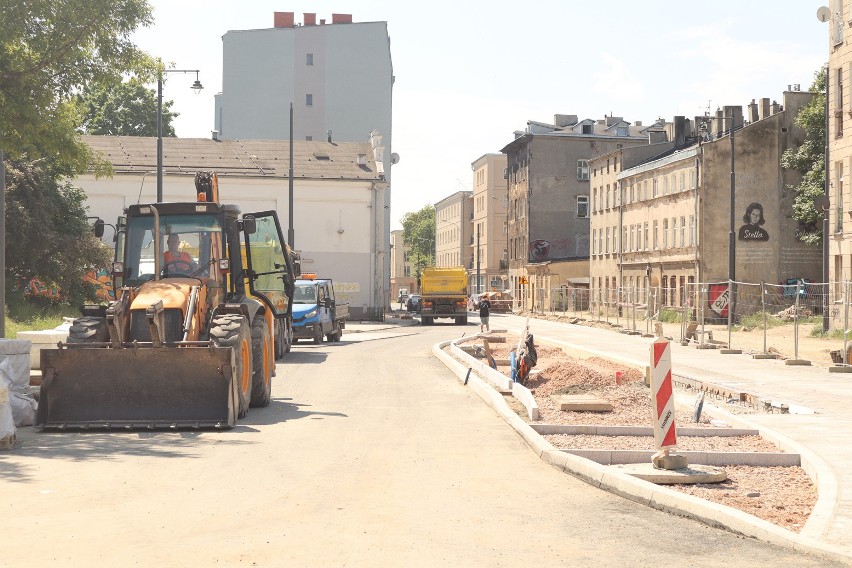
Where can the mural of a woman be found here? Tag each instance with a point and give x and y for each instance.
(753, 219)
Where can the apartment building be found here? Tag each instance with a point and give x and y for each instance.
(338, 76)
(548, 200)
(669, 224)
(489, 267)
(840, 142)
(402, 270)
(454, 231)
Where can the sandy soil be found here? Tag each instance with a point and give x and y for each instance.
(781, 495)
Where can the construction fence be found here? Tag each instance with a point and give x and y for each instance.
(769, 319)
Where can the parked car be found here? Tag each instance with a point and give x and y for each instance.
(413, 303)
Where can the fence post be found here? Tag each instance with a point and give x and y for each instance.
(730, 309)
(634, 295)
(796, 321)
(845, 322)
(702, 300)
(763, 309)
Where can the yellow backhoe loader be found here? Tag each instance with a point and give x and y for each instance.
(189, 341)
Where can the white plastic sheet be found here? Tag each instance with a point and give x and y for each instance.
(7, 423)
(15, 378)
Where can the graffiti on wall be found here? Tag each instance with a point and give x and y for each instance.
(753, 219)
(346, 291)
(542, 250)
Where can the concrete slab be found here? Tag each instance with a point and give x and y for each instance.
(688, 475)
(583, 403)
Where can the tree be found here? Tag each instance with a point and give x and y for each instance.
(809, 160)
(50, 50)
(418, 234)
(52, 238)
(127, 108)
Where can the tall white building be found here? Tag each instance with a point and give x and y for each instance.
(337, 74)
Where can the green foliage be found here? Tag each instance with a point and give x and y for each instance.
(833, 334)
(47, 233)
(24, 316)
(126, 108)
(51, 50)
(418, 235)
(669, 315)
(809, 160)
(755, 321)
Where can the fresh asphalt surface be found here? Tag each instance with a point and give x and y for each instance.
(371, 454)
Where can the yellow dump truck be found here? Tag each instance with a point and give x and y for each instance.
(444, 294)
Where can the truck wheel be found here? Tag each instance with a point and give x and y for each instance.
(88, 329)
(318, 335)
(426, 320)
(289, 340)
(232, 330)
(261, 363)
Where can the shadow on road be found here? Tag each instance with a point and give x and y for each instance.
(282, 410)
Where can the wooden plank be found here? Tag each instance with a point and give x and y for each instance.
(488, 356)
(583, 403)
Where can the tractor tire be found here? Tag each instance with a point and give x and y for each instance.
(232, 330)
(426, 320)
(288, 338)
(262, 363)
(88, 329)
(279, 339)
(318, 335)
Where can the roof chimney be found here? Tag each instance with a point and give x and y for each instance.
(341, 18)
(284, 20)
(310, 19)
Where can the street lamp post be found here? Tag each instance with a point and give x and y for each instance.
(196, 86)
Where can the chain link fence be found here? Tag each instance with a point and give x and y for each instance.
(800, 321)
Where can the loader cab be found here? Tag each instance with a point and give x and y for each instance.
(143, 236)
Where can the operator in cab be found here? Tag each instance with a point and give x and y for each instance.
(175, 260)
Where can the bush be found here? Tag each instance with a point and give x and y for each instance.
(669, 315)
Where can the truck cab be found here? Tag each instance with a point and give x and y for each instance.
(316, 313)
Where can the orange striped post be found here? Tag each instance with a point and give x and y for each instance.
(665, 433)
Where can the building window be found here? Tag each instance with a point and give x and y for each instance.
(309, 138)
(654, 186)
(624, 240)
(582, 170)
(692, 230)
(683, 231)
(607, 196)
(632, 238)
(646, 236)
(614, 239)
(594, 241)
(309, 100)
(309, 59)
(606, 250)
(665, 233)
(666, 185)
(656, 239)
(682, 181)
(674, 232)
(582, 206)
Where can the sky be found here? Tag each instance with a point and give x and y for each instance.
(469, 74)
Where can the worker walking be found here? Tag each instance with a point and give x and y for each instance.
(484, 312)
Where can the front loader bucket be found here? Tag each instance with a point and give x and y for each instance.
(141, 387)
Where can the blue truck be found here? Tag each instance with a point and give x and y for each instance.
(316, 313)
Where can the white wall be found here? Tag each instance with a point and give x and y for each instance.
(332, 220)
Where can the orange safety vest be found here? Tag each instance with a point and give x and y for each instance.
(179, 257)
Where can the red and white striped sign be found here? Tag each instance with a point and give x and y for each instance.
(665, 435)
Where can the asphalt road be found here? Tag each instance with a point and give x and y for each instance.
(371, 454)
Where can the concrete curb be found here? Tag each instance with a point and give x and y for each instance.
(660, 497)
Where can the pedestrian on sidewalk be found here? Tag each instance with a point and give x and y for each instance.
(484, 312)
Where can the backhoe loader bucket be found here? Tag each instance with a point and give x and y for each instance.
(137, 387)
